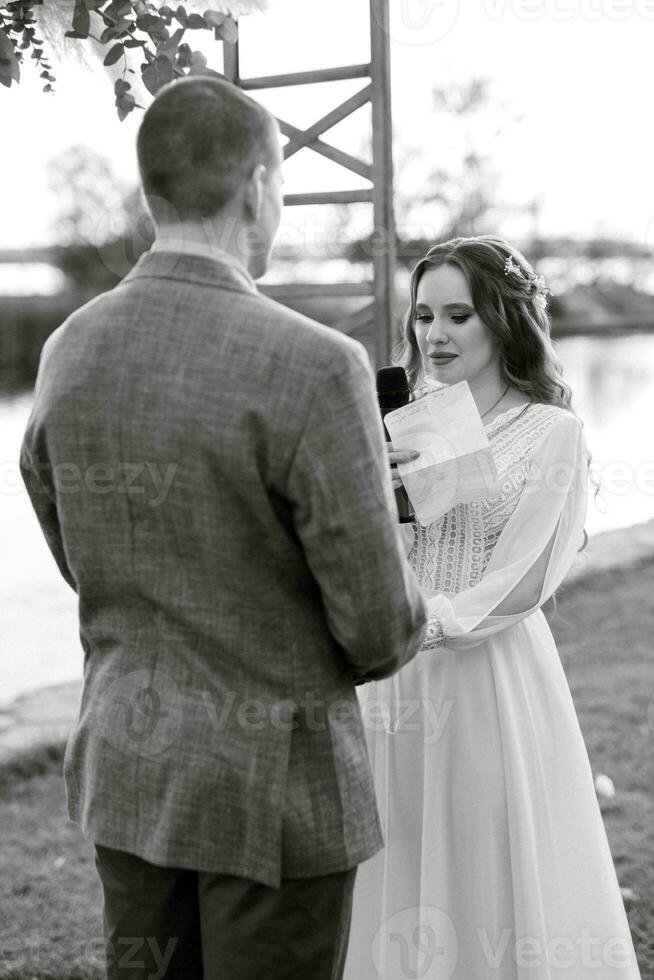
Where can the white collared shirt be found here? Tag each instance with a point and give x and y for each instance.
(184, 246)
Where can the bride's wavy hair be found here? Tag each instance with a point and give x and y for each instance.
(511, 301)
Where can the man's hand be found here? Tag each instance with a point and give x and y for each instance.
(396, 456)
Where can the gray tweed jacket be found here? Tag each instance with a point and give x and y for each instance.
(210, 474)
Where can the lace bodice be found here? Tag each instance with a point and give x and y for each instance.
(451, 554)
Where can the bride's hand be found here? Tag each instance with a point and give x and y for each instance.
(396, 456)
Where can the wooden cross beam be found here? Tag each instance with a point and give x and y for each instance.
(379, 174)
(346, 160)
(307, 77)
(329, 121)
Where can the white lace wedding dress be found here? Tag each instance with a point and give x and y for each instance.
(496, 862)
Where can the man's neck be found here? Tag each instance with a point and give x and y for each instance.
(226, 236)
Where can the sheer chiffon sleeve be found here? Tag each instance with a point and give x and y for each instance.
(534, 551)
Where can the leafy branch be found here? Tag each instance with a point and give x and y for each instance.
(120, 26)
(18, 35)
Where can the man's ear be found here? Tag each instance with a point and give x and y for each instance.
(253, 197)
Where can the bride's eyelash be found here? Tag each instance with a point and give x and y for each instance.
(456, 317)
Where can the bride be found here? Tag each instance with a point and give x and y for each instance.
(496, 862)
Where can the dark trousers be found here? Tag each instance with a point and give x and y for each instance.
(196, 925)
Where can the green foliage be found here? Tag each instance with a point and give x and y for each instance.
(120, 26)
(17, 35)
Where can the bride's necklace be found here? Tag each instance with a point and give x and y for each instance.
(495, 403)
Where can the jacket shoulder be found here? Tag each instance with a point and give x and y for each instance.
(306, 333)
(76, 321)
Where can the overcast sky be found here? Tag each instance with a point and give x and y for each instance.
(580, 73)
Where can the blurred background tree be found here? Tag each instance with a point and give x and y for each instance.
(84, 182)
(462, 191)
(460, 196)
(102, 224)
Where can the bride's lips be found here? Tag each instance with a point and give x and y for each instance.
(441, 358)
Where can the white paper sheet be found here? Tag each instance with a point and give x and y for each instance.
(456, 462)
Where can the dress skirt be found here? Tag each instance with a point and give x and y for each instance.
(496, 861)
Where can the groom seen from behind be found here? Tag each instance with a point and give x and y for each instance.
(210, 473)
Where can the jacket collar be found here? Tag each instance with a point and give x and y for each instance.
(209, 269)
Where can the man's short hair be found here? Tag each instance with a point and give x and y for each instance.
(199, 140)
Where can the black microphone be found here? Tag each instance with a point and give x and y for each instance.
(393, 392)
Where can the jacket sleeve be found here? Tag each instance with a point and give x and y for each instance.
(344, 513)
(41, 492)
(534, 551)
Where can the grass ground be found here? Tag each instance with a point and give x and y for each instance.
(605, 636)
(52, 922)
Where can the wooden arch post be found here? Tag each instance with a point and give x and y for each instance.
(379, 311)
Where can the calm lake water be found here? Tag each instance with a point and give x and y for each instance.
(613, 381)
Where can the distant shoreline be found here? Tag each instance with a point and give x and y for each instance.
(27, 322)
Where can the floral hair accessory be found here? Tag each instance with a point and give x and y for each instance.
(541, 286)
(512, 268)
